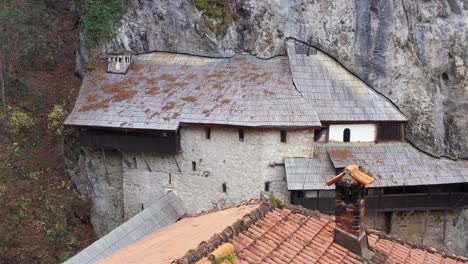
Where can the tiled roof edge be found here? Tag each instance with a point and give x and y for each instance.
(266, 206)
(205, 247)
(443, 253)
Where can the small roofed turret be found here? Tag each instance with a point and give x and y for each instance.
(119, 62)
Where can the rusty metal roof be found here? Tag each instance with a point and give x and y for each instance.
(390, 164)
(335, 93)
(162, 90)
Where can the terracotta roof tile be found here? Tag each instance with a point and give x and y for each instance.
(268, 234)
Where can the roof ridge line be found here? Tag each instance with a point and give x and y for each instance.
(205, 247)
(427, 249)
(209, 56)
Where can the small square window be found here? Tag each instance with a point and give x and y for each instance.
(208, 133)
(283, 136)
(194, 166)
(241, 134)
(267, 186)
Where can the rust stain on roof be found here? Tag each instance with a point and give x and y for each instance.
(268, 93)
(168, 106)
(189, 99)
(341, 153)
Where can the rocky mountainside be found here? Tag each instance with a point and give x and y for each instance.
(414, 52)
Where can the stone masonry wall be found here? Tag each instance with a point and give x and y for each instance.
(242, 166)
(445, 230)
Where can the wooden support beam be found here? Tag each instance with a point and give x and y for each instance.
(406, 217)
(146, 162)
(177, 163)
(105, 164)
(425, 227)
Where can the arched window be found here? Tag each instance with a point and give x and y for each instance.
(346, 135)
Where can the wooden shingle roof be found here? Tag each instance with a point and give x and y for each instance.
(162, 90)
(390, 164)
(335, 93)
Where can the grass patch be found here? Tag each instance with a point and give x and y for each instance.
(216, 15)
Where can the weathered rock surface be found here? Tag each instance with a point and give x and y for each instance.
(414, 52)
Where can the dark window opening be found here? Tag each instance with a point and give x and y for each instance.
(283, 136)
(194, 166)
(346, 135)
(445, 76)
(267, 186)
(224, 188)
(390, 132)
(208, 133)
(320, 135)
(142, 207)
(135, 164)
(170, 178)
(120, 59)
(241, 134)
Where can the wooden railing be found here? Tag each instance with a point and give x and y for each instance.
(394, 202)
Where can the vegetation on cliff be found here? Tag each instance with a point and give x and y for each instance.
(43, 221)
(100, 20)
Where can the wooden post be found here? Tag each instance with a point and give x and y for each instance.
(445, 226)
(146, 162)
(177, 163)
(425, 227)
(105, 164)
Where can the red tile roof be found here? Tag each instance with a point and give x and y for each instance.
(293, 234)
(269, 233)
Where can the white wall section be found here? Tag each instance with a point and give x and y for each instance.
(359, 132)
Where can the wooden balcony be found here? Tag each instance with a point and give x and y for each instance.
(157, 142)
(394, 202)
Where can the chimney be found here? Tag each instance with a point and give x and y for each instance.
(350, 229)
(119, 62)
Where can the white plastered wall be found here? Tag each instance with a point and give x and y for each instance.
(243, 166)
(359, 132)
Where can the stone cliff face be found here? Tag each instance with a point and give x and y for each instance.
(414, 52)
